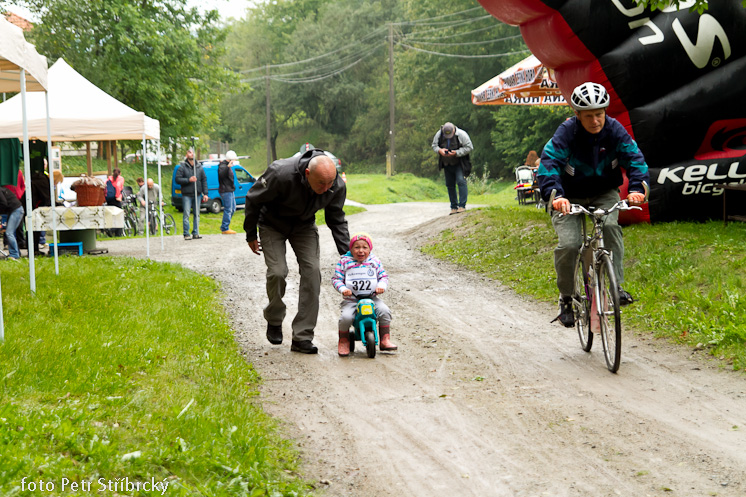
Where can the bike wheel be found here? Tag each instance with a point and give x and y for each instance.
(153, 225)
(370, 343)
(581, 304)
(169, 225)
(609, 314)
(130, 227)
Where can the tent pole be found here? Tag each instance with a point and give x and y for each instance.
(147, 205)
(27, 167)
(88, 158)
(160, 191)
(52, 195)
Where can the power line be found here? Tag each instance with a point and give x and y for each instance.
(456, 35)
(462, 56)
(465, 43)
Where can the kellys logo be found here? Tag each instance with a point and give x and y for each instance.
(725, 139)
(701, 178)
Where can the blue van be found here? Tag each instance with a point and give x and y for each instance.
(241, 178)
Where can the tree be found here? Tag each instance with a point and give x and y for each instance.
(157, 56)
(698, 5)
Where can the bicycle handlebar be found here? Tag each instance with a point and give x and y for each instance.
(622, 205)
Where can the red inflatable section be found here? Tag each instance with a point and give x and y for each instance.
(554, 42)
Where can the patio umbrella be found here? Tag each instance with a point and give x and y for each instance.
(528, 82)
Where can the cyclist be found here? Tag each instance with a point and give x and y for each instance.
(583, 163)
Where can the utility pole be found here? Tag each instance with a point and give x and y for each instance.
(392, 149)
(269, 131)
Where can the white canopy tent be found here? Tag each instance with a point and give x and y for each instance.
(21, 69)
(80, 111)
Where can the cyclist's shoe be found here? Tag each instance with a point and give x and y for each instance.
(624, 297)
(274, 333)
(343, 347)
(566, 316)
(187, 237)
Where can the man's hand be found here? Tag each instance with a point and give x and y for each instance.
(562, 205)
(204, 198)
(380, 290)
(193, 179)
(255, 247)
(346, 292)
(445, 152)
(636, 198)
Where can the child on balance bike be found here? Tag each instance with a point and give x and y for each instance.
(359, 272)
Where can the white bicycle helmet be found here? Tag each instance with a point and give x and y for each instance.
(589, 96)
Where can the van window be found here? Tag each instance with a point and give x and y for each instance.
(243, 177)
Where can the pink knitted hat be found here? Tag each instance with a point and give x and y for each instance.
(361, 236)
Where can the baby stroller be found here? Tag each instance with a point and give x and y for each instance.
(527, 190)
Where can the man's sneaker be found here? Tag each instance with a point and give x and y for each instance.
(304, 347)
(624, 297)
(566, 316)
(454, 211)
(460, 210)
(196, 237)
(274, 333)
(187, 237)
(229, 232)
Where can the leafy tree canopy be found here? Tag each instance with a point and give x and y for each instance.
(157, 56)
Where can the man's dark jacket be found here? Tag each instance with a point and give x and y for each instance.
(185, 172)
(225, 178)
(283, 200)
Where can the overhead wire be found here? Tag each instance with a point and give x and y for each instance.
(329, 69)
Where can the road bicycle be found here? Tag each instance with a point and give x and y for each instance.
(154, 220)
(595, 298)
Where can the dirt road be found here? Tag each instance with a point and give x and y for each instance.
(484, 397)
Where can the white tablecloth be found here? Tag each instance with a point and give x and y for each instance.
(79, 218)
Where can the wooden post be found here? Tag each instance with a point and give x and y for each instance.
(88, 161)
(392, 134)
(116, 159)
(108, 156)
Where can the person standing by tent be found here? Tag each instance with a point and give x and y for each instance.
(193, 181)
(282, 204)
(227, 189)
(11, 206)
(453, 147)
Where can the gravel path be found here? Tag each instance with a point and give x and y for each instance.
(484, 397)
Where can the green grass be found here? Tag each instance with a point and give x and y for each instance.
(128, 368)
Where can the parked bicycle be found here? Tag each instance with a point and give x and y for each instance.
(595, 298)
(131, 219)
(154, 220)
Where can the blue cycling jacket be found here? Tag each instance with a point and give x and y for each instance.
(579, 164)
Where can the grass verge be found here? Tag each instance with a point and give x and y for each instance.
(127, 369)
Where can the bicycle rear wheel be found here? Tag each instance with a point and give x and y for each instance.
(130, 225)
(609, 314)
(581, 304)
(169, 225)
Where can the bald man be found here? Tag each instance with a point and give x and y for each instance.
(282, 205)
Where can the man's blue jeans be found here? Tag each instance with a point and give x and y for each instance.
(229, 207)
(187, 202)
(455, 176)
(14, 221)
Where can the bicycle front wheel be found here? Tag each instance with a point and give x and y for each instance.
(609, 314)
(581, 304)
